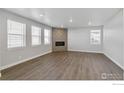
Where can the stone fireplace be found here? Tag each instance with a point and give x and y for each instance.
(59, 39)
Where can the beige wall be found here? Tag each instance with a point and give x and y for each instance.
(59, 34)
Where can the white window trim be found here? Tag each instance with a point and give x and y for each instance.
(34, 45)
(24, 36)
(99, 38)
(49, 37)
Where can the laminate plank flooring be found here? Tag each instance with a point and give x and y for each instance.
(65, 66)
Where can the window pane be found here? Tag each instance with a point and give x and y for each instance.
(95, 36)
(16, 34)
(46, 41)
(46, 36)
(15, 27)
(35, 40)
(15, 41)
(36, 35)
(36, 31)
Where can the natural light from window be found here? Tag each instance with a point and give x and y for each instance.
(36, 35)
(46, 36)
(16, 34)
(95, 37)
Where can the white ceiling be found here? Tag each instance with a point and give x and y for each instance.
(57, 17)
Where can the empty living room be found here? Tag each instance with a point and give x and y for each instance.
(61, 44)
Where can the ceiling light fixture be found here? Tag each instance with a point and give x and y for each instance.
(41, 15)
(70, 20)
(89, 23)
(61, 26)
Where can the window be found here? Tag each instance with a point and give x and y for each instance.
(16, 34)
(95, 37)
(46, 36)
(36, 35)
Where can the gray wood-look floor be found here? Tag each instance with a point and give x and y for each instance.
(65, 66)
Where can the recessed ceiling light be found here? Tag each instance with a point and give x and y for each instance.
(70, 20)
(41, 15)
(61, 26)
(89, 23)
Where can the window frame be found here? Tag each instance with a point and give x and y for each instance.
(95, 31)
(23, 35)
(39, 36)
(48, 37)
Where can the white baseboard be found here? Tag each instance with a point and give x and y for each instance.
(22, 61)
(85, 51)
(16, 63)
(122, 67)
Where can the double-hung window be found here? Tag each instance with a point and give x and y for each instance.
(47, 39)
(36, 35)
(16, 33)
(95, 37)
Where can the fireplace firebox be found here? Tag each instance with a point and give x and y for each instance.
(59, 43)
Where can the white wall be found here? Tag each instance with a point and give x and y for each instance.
(14, 56)
(79, 40)
(123, 41)
(113, 39)
(0, 45)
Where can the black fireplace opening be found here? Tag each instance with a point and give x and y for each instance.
(60, 43)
